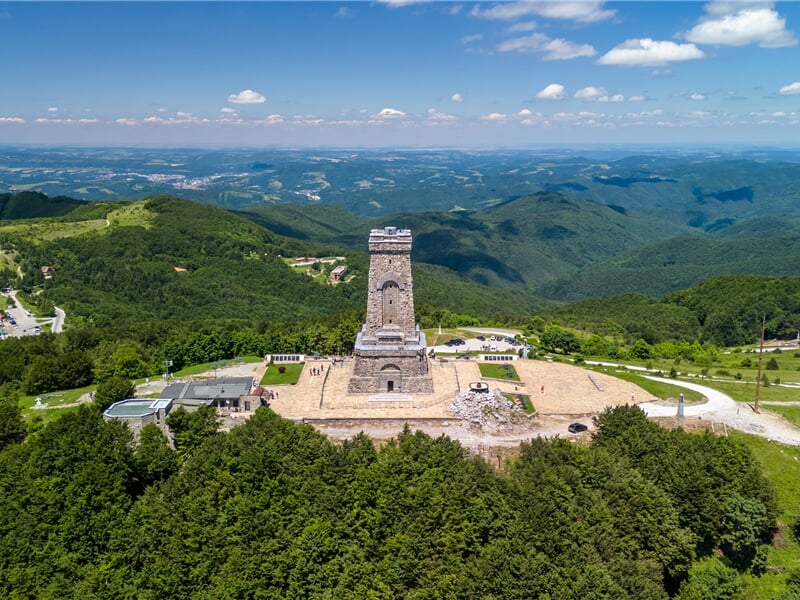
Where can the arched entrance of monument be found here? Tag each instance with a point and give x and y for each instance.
(390, 378)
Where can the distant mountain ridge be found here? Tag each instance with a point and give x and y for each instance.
(549, 245)
(705, 189)
(31, 205)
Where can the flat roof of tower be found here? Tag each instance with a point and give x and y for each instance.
(390, 231)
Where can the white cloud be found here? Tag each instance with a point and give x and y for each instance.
(697, 96)
(52, 109)
(647, 52)
(791, 89)
(475, 37)
(343, 11)
(274, 119)
(525, 112)
(595, 94)
(457, 97)
(87, 121)
(389, 113)
(637, 99)
(738, 24)
(494, 117)
(554, 91)
(523, 26)
(247, 97)
(583, 11)
(228, 111)
(590, 93)
(17, 120)
(548, 48)
(126, 121)
(307, 120)
(435, 115)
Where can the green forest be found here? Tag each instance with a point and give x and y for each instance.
(273, 509)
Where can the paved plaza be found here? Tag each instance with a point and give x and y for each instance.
(554, 389)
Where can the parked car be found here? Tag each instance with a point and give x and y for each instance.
(577, 428)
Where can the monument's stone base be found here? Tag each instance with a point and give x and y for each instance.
(386, 370)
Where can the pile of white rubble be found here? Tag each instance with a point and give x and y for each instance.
(489, 411)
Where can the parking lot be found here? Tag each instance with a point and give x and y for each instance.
(481, 343)
(18, 321)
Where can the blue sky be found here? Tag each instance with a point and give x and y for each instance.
(438, 74)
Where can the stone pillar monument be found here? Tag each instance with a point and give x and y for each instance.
(390, 351)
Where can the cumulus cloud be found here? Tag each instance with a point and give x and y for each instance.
(548, 48)
(596, 94)
(525, 112)
(227, 110)
(791, 89)
(247, 97)
(582, 11)
(697, 96)
(554, 91)
(126, 121)
(590, 93)
(457, 97)
(52, 109)
(435, 115)
(17, 120)
(741, 24)
(274, 119)
(494, 117)
(637, 99)
(390, 113)
(646, 52)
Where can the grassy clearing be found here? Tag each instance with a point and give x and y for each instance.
(658, 389)
(291, 374)
(499, 371)
(746, 391)
(523, 401)
(780, 464)
(47, 230)
(790, 413)
(132, 215)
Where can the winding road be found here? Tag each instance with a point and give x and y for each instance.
(724, 409)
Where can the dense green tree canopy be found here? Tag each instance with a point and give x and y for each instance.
(272, 509)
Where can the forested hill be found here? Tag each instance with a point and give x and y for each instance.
(165, 258)
(523, 243)
(30, 205)
(724, 310)
(273, 509)
(562, 248)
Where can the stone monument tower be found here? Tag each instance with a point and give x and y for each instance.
(390, 351)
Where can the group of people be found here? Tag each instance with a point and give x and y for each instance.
(317, 371)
